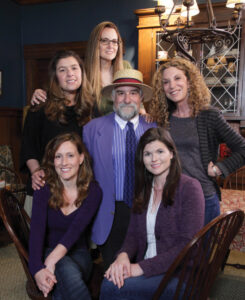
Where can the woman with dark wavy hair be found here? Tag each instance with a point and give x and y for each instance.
(181, 102)
(68, 107)
(62, 211)
(168, 211)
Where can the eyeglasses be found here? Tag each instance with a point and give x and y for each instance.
(106, 42)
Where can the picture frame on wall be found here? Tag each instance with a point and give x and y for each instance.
(1, 88)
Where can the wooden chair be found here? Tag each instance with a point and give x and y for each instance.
(12, 181)
(18, 229)
(9, 178)
(198, 263)
(236, 180)
(233, 196)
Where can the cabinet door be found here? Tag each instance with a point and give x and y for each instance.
(221, 73)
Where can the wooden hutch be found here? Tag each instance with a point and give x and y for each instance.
(227, 87)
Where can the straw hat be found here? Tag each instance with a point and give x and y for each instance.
(128, 77)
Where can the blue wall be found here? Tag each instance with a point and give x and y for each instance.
(74, 20)
(57, 22)
(11, 62)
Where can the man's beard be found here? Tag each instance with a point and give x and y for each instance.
(126, 114)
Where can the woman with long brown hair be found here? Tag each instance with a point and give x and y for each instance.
(63, 209)
(69, 106)
(104, 57)
(168, 210)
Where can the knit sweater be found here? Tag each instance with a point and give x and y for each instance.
(214, 130)
(50, 227)
(175, 226)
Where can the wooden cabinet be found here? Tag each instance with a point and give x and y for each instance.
(227, 88)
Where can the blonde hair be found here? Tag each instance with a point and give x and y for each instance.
(199, 95)
(92, 57)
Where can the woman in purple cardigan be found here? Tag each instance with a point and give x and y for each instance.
(62, 211)
(167, 212)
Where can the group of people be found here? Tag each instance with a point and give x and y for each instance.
(101, 170)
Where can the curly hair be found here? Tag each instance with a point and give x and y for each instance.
(55, 106)
(144, 179)
(92, 57)
(84, 176)
(199, 95)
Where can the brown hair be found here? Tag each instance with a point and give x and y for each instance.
(92, 57)
(56, 103)
(199, 95)
(144, 179)
(84, 177)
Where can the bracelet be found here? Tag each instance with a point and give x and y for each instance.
(215, 171)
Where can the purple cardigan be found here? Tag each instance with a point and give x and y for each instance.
(175, 227)
(50, 227)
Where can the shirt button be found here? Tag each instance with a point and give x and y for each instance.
(113, 213)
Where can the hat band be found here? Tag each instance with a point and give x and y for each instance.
(127, 80)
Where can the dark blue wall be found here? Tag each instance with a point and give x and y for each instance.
(57, 22)
(11, 62)
(74, 20)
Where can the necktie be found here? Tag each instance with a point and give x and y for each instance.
(128, 189)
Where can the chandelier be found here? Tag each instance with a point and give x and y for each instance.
(184, 35)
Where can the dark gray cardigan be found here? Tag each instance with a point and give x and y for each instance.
(212, 131)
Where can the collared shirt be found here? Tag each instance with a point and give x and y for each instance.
(118, 151)
(151, 250)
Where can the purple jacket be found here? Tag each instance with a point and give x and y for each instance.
(175, 226)
(98, 137)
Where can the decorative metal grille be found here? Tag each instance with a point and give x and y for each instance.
(221, 73)
(163, 46)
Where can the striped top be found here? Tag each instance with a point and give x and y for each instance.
(213, 130)
(118, 151)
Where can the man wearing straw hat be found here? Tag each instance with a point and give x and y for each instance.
(111, 141)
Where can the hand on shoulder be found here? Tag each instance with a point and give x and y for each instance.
(38, 96)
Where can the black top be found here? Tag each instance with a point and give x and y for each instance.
(38, 131)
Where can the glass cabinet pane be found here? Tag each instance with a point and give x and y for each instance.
(221, 73)
(164, 50)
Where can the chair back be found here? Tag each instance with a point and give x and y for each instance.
(6, 160)
(236, 180)
(6, 157)
(18, 229)
(199, 262)
(8, 176)
(11, 180)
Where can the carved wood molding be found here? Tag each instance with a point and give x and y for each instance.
(38, 51)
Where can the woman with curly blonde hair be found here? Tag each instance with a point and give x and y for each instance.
(181, 102)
